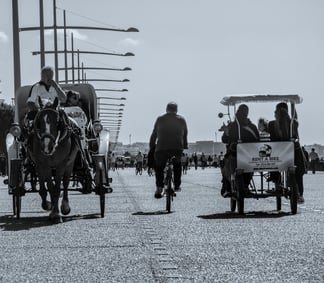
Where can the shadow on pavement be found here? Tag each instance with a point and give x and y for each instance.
(250, 214)
(159, 212)
(11, 223)
(79, 216)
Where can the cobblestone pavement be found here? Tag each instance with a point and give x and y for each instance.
(137, 241)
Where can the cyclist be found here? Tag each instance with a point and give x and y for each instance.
(169, 137)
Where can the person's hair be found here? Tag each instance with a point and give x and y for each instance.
(172, 107)
(71, 93)
(282, 105)
(242, 112)
(283, 123)
(47, 69)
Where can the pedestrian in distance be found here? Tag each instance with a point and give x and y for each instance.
(313, 158)
(169, 137)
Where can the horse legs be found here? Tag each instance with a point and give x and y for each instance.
(65, 207)
(46, 205)
(54, 190)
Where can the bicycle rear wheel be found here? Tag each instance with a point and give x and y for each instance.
(169, 193)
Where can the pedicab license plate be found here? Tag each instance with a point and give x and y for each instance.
(265, 156)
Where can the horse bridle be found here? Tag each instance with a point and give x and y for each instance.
(60, 135)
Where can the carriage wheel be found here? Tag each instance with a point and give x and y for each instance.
(87, 183)
(16, 181)
(293, 193)
(239, 183)
(102, 195)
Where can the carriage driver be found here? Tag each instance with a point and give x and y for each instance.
(46, 89)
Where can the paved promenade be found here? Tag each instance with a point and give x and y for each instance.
(137, 241)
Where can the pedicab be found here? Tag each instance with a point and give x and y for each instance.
(89, 166)
(261, 158)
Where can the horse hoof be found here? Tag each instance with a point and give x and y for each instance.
(55, 218)
(46, 205)
(65, 208)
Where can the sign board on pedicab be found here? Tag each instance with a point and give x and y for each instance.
(265, 156)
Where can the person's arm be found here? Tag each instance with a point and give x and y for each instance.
(32, 102)
(60, 92)
(153, 136)
(185, 136)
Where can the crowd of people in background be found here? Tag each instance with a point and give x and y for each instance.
(188, 161)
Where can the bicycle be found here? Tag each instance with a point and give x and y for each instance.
(169, 183)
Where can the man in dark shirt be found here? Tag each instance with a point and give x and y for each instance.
(240, 130)
(169, 137)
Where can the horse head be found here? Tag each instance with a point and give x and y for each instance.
(49, 127)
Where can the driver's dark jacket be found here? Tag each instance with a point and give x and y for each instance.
(249, 132)
(170, 133)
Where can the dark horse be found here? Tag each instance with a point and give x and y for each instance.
(53, 150)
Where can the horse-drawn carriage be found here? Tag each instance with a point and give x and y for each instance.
(262, 159)
(50, 152)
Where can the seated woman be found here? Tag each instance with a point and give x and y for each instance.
(283, 129)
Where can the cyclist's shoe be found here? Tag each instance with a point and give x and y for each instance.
(177, 189)
(300, 199)
(158, 192)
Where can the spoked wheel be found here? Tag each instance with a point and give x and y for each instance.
(278, 202)
(16, 182)
(293, 193)
(239, 183)
(86, 183)
(102, 194)
(169, 195)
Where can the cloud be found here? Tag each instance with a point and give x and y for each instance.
(130, 42)
(60, 33)
(3, 37)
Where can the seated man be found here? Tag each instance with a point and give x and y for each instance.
(243, 130)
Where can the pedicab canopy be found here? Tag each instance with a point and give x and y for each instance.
(88, 100)
(233, 100)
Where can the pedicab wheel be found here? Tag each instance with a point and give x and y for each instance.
(168, 200)
(293, 193)
(278, 202)
(233, 204)
(239, 183)
(278, 197)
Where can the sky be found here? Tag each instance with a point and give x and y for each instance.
(188, 51)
